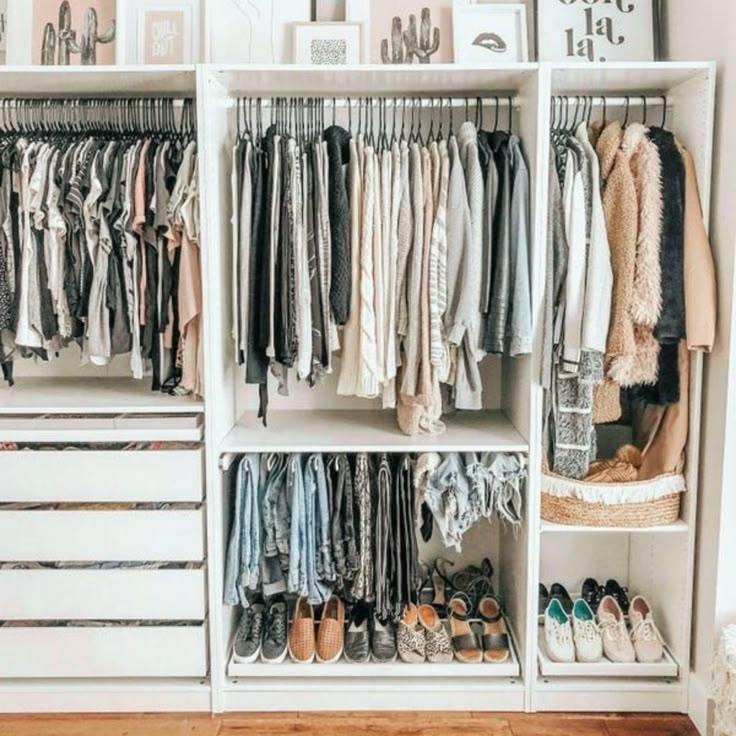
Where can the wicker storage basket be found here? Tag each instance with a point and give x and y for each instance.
(641, 504)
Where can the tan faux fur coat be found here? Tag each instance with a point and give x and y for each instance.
(641, 366)
(620, 205)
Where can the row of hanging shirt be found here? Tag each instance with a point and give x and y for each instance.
(630, 288)
(99, 236)
(408, 256)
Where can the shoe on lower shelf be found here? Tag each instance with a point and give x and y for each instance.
(438, 646)
(276, 620)
(617, 645)
(301, 635)
(496, 645)
(383, 642)
(558, 633)
(247, 643)
(331, 632)
(587, 637)
(543, 600)
(559, 592)
(592, 593)
(644, 632)
(464, 641)
(411, 639)
(357, 637)
(620, 594)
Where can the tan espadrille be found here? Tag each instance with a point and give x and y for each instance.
(331, 633)
(301, 634)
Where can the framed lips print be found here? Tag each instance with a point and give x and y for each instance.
(490, 33)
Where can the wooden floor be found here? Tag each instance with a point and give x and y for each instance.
(315, 724)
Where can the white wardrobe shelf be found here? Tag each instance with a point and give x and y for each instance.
(367, 79)
(509, 669)
(370, 431)
(679, 527)
(624, 77)
(667, 668)
(91, 396)
(97, 81)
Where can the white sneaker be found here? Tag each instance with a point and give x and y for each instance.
(588, 642)
(558, 633)
(644, 632)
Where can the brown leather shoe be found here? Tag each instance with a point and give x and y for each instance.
(301, 634)
(331, 634)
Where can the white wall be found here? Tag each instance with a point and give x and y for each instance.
(699, 31)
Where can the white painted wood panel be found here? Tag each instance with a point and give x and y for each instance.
(115, 651)
(47, 476)
(101, 536)
(102, 595)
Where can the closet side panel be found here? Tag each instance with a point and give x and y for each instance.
(215, 140)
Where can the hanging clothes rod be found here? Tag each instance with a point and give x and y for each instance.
(421, 102)
(618, 101)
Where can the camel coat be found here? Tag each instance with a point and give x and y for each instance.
(663, 431)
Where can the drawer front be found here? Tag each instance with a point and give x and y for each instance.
(102, 595)
(102, 536)
(82, 476)
(120, 651)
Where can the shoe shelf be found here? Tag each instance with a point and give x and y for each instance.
(509, 669)
(667, 668)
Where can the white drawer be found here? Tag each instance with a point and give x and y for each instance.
(120, 651)
(102, 595)
(101, 536)
(82, 476)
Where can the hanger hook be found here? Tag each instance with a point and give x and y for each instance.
(664, 111)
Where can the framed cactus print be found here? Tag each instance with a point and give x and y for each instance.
(73, 32)
(405, 31)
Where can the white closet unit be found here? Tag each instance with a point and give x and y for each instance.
(319, 420)
(104, 566)
(44, 667)
(659, 562)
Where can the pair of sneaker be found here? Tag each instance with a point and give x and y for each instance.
(581, 638)
(572, 638)
(262, 633)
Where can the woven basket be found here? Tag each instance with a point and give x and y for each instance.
(642, 504)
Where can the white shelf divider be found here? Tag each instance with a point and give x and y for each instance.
(370, 431)
(679, 527)
(91, 396)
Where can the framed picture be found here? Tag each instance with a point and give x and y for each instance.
(253, 31)
(595, 31)
(161, 32)
(490, 33)
(3, 26)
(62, 32)
(335, 44)
(404, 31)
